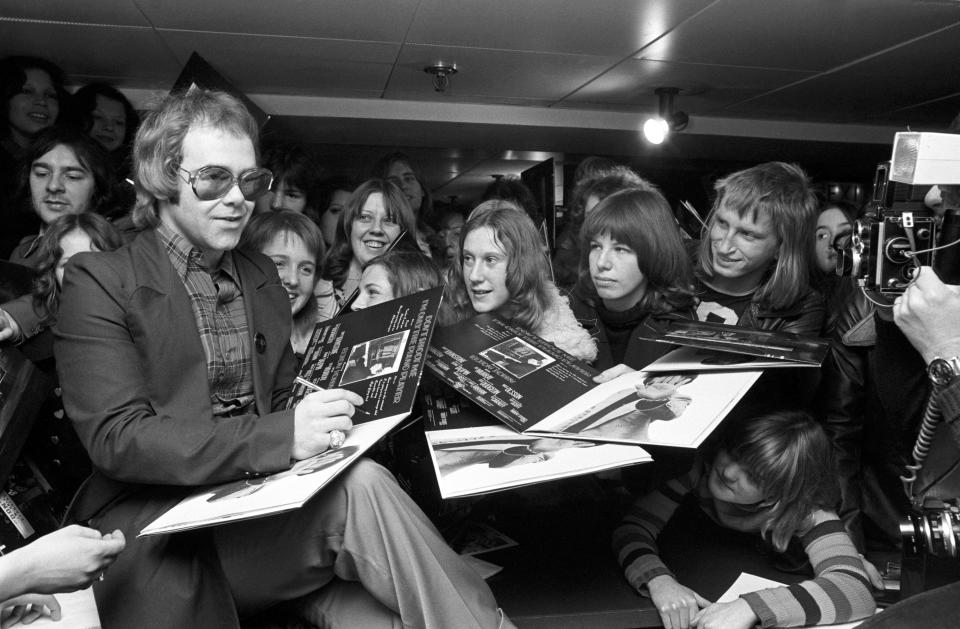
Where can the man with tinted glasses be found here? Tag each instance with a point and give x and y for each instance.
(174, 354)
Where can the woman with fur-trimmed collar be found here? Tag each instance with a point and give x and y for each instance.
(633, 267)
(503, 271)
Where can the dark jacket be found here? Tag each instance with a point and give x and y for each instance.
(871, 400)
(804, 317)
(134, 380)
(639, 352)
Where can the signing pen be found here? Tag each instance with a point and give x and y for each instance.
(314, 387)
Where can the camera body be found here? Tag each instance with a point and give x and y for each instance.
(931, 547)
(879, 252)
(898, 234)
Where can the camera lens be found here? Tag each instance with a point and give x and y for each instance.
(933, 531)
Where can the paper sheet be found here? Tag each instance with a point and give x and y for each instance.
(78, 609)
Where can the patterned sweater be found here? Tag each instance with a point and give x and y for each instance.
(839, 592)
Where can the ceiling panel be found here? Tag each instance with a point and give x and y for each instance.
(291, 65)
(372, 20)
(934, 115)
(104, 52)
(921, 71)
(732, 58)
(120, 12)
(426, 93)
(807, 35)
(495, 73)
(608, 28)
(703, 88)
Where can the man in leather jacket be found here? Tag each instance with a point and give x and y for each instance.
(928, 315)
(874, 392)
(753, 259)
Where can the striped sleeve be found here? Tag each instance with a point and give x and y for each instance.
(840, 591)
(635, 539)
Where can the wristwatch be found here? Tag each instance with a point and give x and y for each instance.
(943, 371)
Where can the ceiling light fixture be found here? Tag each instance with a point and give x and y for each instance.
(657, 128)
(441, 74)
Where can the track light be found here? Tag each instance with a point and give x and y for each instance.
(657, 128)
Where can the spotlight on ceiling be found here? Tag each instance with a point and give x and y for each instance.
(441, 74)
(657, 128)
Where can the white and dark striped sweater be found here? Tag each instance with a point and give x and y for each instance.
(839, 591)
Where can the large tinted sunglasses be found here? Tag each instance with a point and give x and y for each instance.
(214, 182)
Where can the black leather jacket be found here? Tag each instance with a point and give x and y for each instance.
(871, 400)
(804, 317)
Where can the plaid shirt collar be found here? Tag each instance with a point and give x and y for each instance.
(181, 252)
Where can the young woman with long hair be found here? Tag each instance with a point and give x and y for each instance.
(503, 270)
(26, 317)
(633, 267)
(376, 214)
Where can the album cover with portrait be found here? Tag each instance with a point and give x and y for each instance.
(537, 389)
(510, 373)
(484, 459)
(257, 496)
(676, 409)
(378, 352)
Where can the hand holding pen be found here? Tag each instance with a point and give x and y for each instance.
(316, 387)
(322, 419)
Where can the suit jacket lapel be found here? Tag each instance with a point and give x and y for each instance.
(165, 313)
(263, 314)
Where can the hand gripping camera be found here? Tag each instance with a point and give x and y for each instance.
(898, 234)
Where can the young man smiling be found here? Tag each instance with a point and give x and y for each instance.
(754, 259)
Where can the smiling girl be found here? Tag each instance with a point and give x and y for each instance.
(376, 214)
(295, 245)
(633, 266)
(774, 475)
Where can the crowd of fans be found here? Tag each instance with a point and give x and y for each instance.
(116, 217)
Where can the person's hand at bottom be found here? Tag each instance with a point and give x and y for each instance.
(733, 615)
(677, 604)
(613, 372)
(24, 609)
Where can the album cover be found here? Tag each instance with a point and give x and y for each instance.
(785, 346)
(248, 498)
(698, 359)
(533, 387)
(377, 352)
(470, 461)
